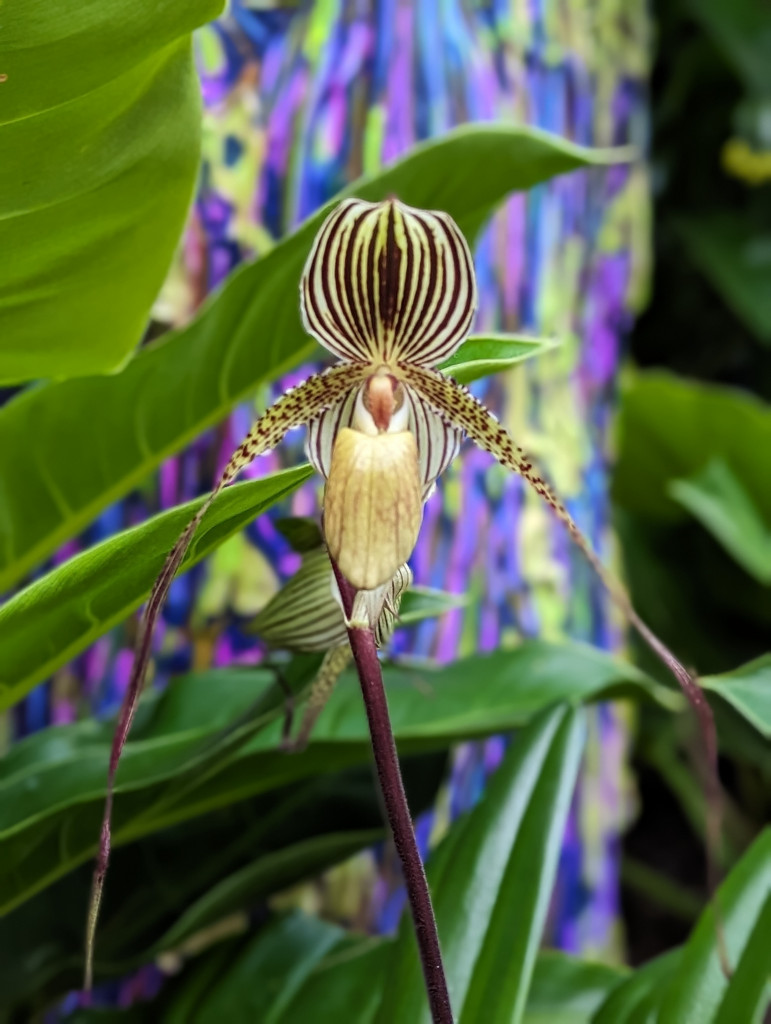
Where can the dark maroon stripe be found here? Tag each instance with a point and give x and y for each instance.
(348, 281)
(414, 269)
(423, 317)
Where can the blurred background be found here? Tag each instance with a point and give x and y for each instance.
(652, 417)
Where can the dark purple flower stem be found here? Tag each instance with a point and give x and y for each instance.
(390, 777)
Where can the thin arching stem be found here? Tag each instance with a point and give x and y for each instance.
(395, 800)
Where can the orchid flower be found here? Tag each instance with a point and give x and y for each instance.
(390, 291)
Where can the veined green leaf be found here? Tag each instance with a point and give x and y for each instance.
(58, 616)
(52, 784)
(172, 891)
(58, 470)
(100, 130)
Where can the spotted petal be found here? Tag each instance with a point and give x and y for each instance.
(293, 409)
(385, 282)
(458, 407)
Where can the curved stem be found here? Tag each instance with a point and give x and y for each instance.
(387, 764)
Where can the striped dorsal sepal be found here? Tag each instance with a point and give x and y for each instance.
(386, 283)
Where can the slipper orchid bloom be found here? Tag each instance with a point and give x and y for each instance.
(390, 290)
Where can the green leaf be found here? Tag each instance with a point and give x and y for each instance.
(670, 428)
(748, 996)
(419, 603)
(270, 873)
(639, 995)
(697, 988)
(734, 254)
(52, 784)
(740, 30)
(566, 990)
(248, 333)
(720, 503)
(348, 980)
(100, 130)
(490, 924)
(748, 689)
(481, 356)
(58, 616)
(299, 968)
(171, 891)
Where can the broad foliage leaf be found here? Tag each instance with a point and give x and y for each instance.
(299, 968)
(670, 428)
(189, 754)
(100, 134)
(247, 334)
(59, 615)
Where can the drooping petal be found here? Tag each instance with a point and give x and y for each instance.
(293, 409)
(372, 505)
(386, 282)
(458, 407)
(297, 406)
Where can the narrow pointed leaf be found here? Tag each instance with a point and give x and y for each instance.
(748, 996)
(488, 354)
(626, 1002)
(59, 615)
(515, 833)
(748, 689)
(696, 990)
(248, 333)
(719, 501)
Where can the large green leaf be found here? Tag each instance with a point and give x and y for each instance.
(59, 615)
(348, 979)
(565, 990)
(58, 470)
(489, 922)
(169, 891)
(80, 600)
(670, 428)
(100, 131)
(748, 996)
(182, 760)
(721, 504)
